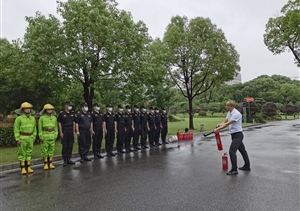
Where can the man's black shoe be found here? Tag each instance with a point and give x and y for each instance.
(99, 156)
(146, 146)
(131, 150)
(108, 155)
(81, 160)
(112, 154)
(69, 161)
(95, 157)
(127, 151)
(137, 148)
(244, 168)
(232, 172)
(65, 162)
(86, 158)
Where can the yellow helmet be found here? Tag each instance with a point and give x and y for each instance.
(26, 105)
(48, 107)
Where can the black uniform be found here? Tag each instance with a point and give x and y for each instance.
(84, 139)
(67, 123)
(120, 118)
(97, 119)
(151, 122)
(157, 130)
(109, 119)
(128, 134)
(144, 128)
(164, 130)
(136, 116)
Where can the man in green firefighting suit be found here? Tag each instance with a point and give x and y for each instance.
(48, 132)
(25, 134)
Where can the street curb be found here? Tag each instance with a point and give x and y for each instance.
(57, 158)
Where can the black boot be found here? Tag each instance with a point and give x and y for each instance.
(95, 156)
(65, 162)
(69, 161)
(86, 158)
(99, 155)
(81, 159)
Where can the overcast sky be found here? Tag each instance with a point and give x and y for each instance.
(242, 21)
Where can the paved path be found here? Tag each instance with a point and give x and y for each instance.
(189, 177)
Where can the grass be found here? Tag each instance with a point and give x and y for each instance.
(9, 155)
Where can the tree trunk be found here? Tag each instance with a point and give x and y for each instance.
(191, 123)
(88, 94)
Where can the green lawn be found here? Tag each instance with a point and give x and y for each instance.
(9, 155)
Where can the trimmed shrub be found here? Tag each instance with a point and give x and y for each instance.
(202, 113)
(173, 118)
(7, 138)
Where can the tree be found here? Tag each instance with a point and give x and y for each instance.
(95, 41)
(269, 109)
(198, 56)
(283, 32)
(24, 79)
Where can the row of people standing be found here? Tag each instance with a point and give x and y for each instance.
(126, 124)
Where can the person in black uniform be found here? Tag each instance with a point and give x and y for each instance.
(158, 126)
(97, 130)
(151, 127)
(136, 118)
(164, 123)
(121, 129)
(109, 126)
(66, 127)
(83, 120)
(144, 127)
(129, 129)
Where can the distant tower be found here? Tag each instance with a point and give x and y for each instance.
(237, 79)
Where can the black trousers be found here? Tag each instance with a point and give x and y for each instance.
(67, 142)
(144, 132)
(97, 140)
(84, 141)
(128, 136)
(164, 132)
(237, 144)
(151, 135)
(120, 137)
(109, 139)
(157, 133)
(136, 135)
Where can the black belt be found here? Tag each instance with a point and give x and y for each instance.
(236, 133)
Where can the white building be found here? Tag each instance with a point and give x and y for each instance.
(237, 79)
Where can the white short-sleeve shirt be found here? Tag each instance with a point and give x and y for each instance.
(236, 126)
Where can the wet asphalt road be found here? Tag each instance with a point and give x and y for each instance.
(189, 177)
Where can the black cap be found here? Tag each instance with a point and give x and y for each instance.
(156, 108)
(83, 104)
(135, 106)
(96, 104)
(151, 108)
(120, 106)
(108, 105)
(68, 103)
(142, 106)
(163, 109)
(127, 107)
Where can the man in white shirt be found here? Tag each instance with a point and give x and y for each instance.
(234, 121)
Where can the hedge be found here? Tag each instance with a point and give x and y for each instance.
(7, 138)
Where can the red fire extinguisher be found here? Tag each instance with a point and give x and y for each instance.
(225, 161)
(219, 142)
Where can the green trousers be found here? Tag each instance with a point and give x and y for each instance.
(47, 148)
(25, 149)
